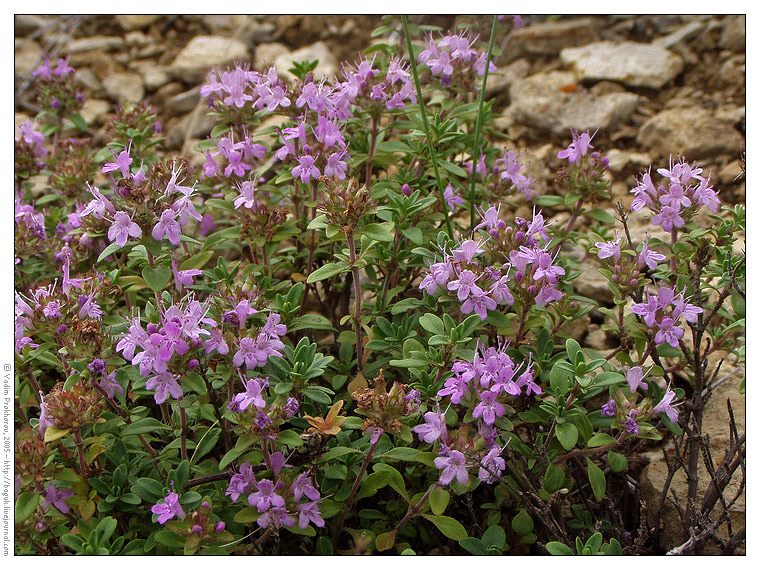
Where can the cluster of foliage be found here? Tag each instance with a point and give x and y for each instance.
(333, 336)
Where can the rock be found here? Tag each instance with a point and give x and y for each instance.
(596, 338)
(87, 77)
(95, 111)
(549, 38)
(99, 43)
(327, 66)
(259, 32)
(203, 52)
(265, 54)
(716, 424)
(137, 39)
(271, 121)
(185, 102)
(681, 35)
(503, 78)
(153, 76)
(27, 57)
(620, 159)
(629, 63)
(130, 22)
(733, 35)
(218, 24)
(538, 102)
(196, 124)
(731, 173)
(691, 132)
(590, 283)
(733, 71)
(124, 87)
(25, 24)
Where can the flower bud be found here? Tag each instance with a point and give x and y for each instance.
(406, 190)
(197, 529)
(192, 364)
(219, 527)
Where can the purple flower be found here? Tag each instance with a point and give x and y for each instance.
(439, 275)
(452, 197)
(668, 332)
(488, 408)
(578, 148)
(164, 383)
(609, 249)
(123, 227)
(631, 425)
(110, 385)
(432, 429)
(276, 517)
(167, 226)
(291, 407)
(169, 509)
(453, 465)
(246, 197)
(240, 482)
(465, 285)
(492, 466)
(122, 163)
(649, 257)
(265, 497)
(664, 407)
(608, 409)
(302, 486)
(635, 378)
(251, 353)
(479, 303)
(306, 169)
(252, 395)
(57, 497)
(467, 251)
(309, 512)
(668, 218)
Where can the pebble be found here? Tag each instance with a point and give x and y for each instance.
(87, 77)
(691, 132)
(539, 102)
(503, 78)
(185, 102)
(620, 159)
(131, 22)
(681, 35)
(549, 38)
(264, 55)
(95, 111)
(327, 66)
(153, 76)
(632, 64)
(733, 34)
(93, 43)
(124, 87)
(26, 58)
(203, 52)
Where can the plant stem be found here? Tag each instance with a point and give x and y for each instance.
(183, 433)
(431, 150)
(479, 124)
(415, 508)
(80, 452)
(354, 489)
(371, 154)
(357, 300)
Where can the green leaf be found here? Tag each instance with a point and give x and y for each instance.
(385, 541)
(602, 216)
(522, 523)
(168, 538)
(78, 121)
(439, 500)
(597, 480)
(567, 434)
(53, 433)
(573, 348)
(338, 451)
(600, 439)
(554, 479)
(144, 425)
(473, 546)
(157, 278)
(310, 321)
(432, 323)
(110, 249)
(559, 378)
(326, 271)
(556, 548)
(449, 527)
(377, 231)
(494, 536)
(608, 379)
(26, 505)
(617, 461)
(247, 515)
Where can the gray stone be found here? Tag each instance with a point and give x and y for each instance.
(682, 34)
(130, 22)
(590, 283)
(26, 58)
(95, 111)
(87, 77)
(261, 32)
(203, 52)
(184, 102)
(153, 76)
(99, 43)
(124, 87)
(691, 132)
(733, 35)
(220, 23)
(265, 54)
(195, 125)
(327, 66)
(549, 38)
(503, 78)
(620, 159)
(731, 173)
(137, 39)
(538, 102)
(24, 24)
(716, 424)
(629, 63)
